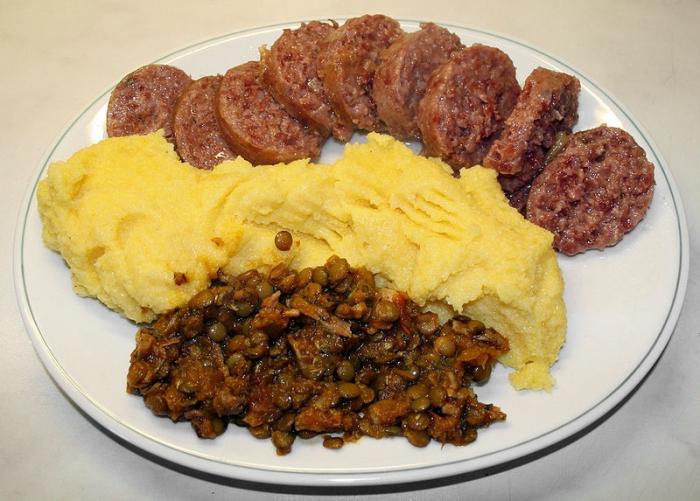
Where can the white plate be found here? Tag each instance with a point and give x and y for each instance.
(623, 304)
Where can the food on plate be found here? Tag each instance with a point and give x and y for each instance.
(546, 107)
(198, 137)
(320, 351)
(594, 191)
(290, 71)
(284, 240)
(143, 101)
(258, 127)
(348, 58)
(105, 218)
(454, 245)
(466, 103)
(403, 72)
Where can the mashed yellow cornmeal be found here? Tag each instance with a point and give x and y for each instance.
(143, 232)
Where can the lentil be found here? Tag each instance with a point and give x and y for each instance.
(283, 240)
(333, 442)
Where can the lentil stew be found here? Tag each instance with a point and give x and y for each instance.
(322, 351)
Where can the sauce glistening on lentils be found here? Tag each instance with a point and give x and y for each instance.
(322, 351)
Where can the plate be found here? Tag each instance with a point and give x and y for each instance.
(623, 304)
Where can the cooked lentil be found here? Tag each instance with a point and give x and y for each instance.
(273, 354)
(283, 240)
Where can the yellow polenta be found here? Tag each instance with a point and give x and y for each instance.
(128, 217)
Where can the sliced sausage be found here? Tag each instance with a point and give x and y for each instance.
(290, 71)
(258, 127)
(518, 198)
(547, 106)
(347, 60)
(517, 186)
(466, 103)
(402, 75)
(593, 192)
(144, 100)
(198, 137)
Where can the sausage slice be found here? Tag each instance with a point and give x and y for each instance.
(466, 103)
(258, 127)
(143, 101)
(593, 192)
(402, 75)
(547, 106)
(347, 61)
(290, 71)
(198, 137)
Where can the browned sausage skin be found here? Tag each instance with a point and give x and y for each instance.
(198, 137)
(143, 101)
(402, 75)
(256, 126)
(465, 105)
(347, 61)
(547, 106)
(593, 192)
(290, 72)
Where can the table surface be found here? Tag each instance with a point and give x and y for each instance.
(58, 56)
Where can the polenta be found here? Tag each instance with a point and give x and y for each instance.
(143, 232)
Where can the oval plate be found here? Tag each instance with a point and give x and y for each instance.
(618, 323)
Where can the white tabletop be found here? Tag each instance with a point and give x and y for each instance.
(58, 56)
